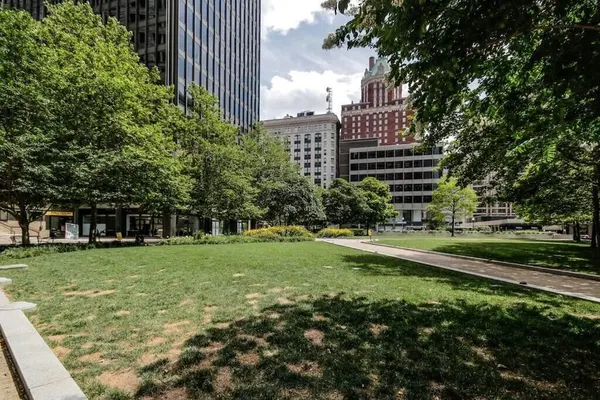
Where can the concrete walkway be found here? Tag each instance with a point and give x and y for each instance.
(569, 286)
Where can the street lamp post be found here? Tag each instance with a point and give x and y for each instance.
(473, 220)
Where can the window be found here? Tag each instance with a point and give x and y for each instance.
(408, 176)
(398, 188)
(380, 165)
(418, 175)
(398, 153)
(398, 176)
(408, 188)
(427, 175)
(408, 199)
(353, 167)
(389, 165)
(389, 153)
(389, 177)
(427, 199)
(398, 164)
(380, 177)
(380, 154)
(427, 187)
(372, 166)
(372, 154)
(354, 156)
(408, 152)
(408, 164)
(417, 199)
(363, 166)
(354, 178)
(428, 163)
(418, 163)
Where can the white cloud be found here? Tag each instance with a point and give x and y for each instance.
(303, 90)
(285, 15)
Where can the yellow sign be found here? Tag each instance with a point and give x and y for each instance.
(119, 236)
(59, 214)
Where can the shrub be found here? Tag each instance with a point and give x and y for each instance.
(280, 231)
(359, 232)
(206, 240)
(335, 233)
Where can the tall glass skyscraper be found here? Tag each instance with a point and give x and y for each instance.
(213, 43)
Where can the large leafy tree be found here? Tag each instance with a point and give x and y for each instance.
(378, 200)
(450, 198)
(112, 148)
(292, 201)
(343, 202)
(28, 119)
(509, 81)
(222, 180)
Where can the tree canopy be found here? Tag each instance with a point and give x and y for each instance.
(450, 198)
(508, 82)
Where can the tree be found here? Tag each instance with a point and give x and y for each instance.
(111, 144)
(508, 81)
(28, 119)
(217, 165)
(343, 202)
(449, 197)
(553, 192)
(293, 201)
(378, 199)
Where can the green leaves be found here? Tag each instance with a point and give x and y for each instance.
(450, 198)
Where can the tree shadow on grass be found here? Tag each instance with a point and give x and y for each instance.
(567, 256)
(334, 348)
(377, 265)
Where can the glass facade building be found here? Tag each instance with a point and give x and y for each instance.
(213, 43)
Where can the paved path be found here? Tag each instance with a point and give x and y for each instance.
(566, 285)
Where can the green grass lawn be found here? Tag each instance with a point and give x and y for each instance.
(303, 321)
(563, 255)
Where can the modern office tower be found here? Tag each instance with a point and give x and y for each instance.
(312, 141)
(213, 43)
(381, 113)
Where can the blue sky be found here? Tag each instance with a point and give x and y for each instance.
(295, 70)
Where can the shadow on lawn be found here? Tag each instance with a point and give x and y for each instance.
(377, 265)
(554, 255)
(332, 348)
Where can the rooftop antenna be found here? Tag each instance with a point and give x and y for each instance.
(329, 100)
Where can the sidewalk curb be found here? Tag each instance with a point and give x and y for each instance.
(581, 275)
(41, 373)
(490, 277)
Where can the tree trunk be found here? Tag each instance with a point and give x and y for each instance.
(453, 220)
(24, 224)
(596, 214)
(93, 222)
(576, 232)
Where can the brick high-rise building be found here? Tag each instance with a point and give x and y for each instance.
(381, 112)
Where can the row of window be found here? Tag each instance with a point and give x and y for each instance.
(399, 176)
(411, 199)
(416, 187)
(395, 165)
(416, 151)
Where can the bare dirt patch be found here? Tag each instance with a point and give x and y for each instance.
(171, 394)
(320, 318)
(248, 359)
(238, 275)
(257, 285)
(284, 301)
(221, 325)
(95, 358)
(133, 276)
(210, 309)
(156, 341)
(186, 302)
(122, 313)
(57, 338)
(87, 345)
(175, 327)
(214, 347)
(274, 315)
(110, 281)
(251, 296)
(483, 353)
(90, 293)
(314, 336)
(223, 381)
(378, 329)
(275, 290)
(588, 316)
(162, 312)
(61, 352)
(306, 368)
(125, 380)
(304, 297)
(146, 359)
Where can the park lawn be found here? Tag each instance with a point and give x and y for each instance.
(302, 321)
(563, 255)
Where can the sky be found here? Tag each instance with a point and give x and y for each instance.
(295, 70)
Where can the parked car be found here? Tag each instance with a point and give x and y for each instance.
(586, 237)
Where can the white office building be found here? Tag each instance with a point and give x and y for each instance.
(312, 141)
